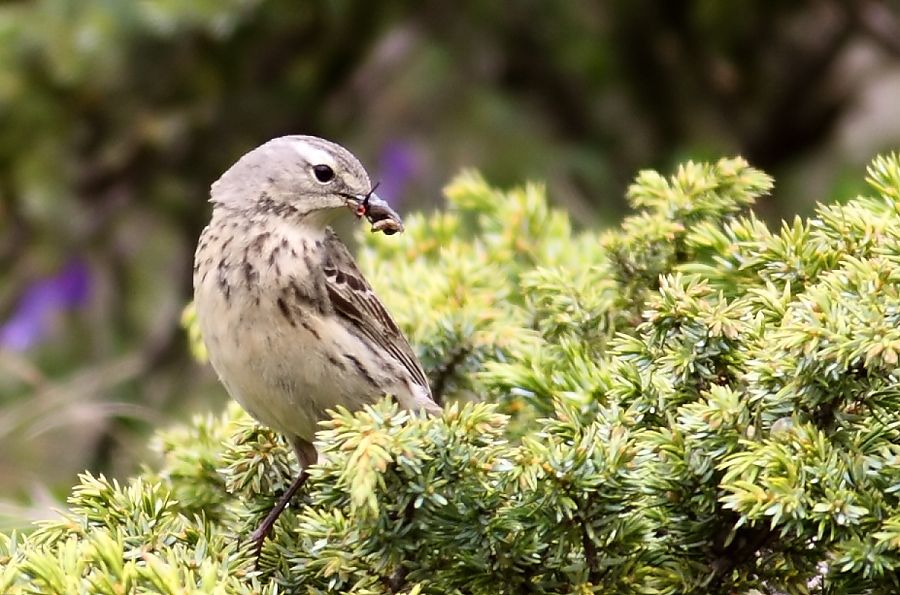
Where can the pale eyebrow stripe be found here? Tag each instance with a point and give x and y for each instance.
(312, 154)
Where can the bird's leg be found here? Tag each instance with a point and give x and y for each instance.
(306, 456)
(262, 531)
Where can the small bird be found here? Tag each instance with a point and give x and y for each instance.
(291, 326)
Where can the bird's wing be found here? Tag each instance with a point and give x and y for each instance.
(353, 298)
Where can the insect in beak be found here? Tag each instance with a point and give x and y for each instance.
(382, 217)
(363, 207)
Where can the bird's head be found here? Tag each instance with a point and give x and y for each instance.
(305, 178)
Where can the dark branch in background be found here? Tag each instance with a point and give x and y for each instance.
(530, 70)
(673, 73)
(397, 581)
(878, 21)
(802, 112)
(524, 63)
(590, 548)
(646, 41)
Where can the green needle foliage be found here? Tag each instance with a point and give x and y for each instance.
(692, 403)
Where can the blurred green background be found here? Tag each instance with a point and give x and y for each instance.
(116, 115)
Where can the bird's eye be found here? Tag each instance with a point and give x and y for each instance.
(323, 173)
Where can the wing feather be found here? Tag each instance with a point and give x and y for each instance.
(353, 298)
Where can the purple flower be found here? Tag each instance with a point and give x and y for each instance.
(399, 163)
(42, 300)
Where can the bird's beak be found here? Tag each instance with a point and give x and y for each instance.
(382, 217)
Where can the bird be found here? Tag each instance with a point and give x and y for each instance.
(291, 326)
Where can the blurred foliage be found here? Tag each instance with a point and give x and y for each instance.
(116, 116)
(692, 402)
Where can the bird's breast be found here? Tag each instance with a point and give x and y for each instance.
(271, 335)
